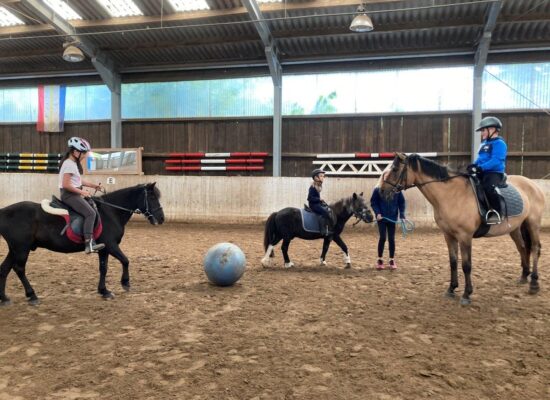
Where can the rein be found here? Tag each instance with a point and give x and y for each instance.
(147, 213)
(398, 186)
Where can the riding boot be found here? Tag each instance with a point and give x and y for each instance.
(326, 227)
(92, 247)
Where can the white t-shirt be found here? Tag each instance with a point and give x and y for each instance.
(70, 167)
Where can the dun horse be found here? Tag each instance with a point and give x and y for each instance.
(286, 224)
(456, 214)
(25, 227)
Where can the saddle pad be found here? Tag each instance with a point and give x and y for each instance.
(514, 203)
(310, 221)
(73, 229)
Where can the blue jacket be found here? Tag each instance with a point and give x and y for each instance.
(389, 209)
(492, 155)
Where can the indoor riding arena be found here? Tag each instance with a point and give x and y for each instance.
(274, 199)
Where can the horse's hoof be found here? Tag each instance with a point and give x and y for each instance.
(450, 295)
(465, 302)
(534, 289)
(266, 262)
(348, 266)
(522, 281)
(322, 263)
(126, 288)
(107, 295)
(289, 265)
(34, 302)
(6, 302)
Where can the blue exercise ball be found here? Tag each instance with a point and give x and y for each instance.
(224, 264)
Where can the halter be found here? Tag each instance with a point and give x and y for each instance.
(398, 186)
(149, 214)
(360, 215)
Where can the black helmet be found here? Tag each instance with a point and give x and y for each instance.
(316, 172)
(489, 122)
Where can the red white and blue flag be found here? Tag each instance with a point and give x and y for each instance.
(51, 108)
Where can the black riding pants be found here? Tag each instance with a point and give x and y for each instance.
(383, 227)
(81, 206)
(490, 181)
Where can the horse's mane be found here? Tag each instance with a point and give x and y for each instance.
(340, 205)
(429, 167)
(123, 193)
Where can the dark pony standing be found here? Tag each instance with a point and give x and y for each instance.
(286, 224)
(25, 227)
(456, 213)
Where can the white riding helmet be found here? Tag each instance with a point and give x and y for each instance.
(79, 144)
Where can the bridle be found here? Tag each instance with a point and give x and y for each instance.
(398, 185)
(360, 215)
(401, 185)
(147, 213)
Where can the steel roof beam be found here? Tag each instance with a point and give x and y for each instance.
(267, 39)
(480, 60)
(103, 64)
(276, 75)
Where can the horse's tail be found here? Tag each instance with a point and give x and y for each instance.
(270, 230)
(526, 237)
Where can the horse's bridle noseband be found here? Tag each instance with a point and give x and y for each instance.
(149, 214)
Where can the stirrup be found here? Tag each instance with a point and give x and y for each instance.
(492, 217)
(93, 247)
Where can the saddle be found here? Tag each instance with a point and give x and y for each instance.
(73, 221)
(511, 203)
(311, 221)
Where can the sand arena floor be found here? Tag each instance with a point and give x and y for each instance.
(307, 333)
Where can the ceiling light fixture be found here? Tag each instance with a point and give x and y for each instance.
(72, 53)
(361, 22)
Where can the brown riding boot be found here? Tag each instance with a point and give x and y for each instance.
(92, 247)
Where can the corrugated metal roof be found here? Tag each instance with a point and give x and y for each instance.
(303, 30)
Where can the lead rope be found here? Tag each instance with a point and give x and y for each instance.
(407, 226)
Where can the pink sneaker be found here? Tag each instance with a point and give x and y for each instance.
(392, 265)
(380, 265)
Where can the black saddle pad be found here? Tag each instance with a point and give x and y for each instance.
(310, 221)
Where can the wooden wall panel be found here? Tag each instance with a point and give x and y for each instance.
(303, 138)
(25, 138)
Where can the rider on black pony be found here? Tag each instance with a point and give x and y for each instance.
(70, 185)
(317, 205)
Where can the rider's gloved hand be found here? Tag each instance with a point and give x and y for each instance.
(473, 169)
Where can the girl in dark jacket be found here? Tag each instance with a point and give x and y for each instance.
(315, 203)
(387, 211)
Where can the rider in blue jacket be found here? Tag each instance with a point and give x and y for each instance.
(491, 163)
(317, 205)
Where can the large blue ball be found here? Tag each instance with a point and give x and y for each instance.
(224, 264)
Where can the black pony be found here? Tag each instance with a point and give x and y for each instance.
(25, 227)
(286, 224)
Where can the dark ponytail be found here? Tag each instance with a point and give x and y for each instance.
(68, 155)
